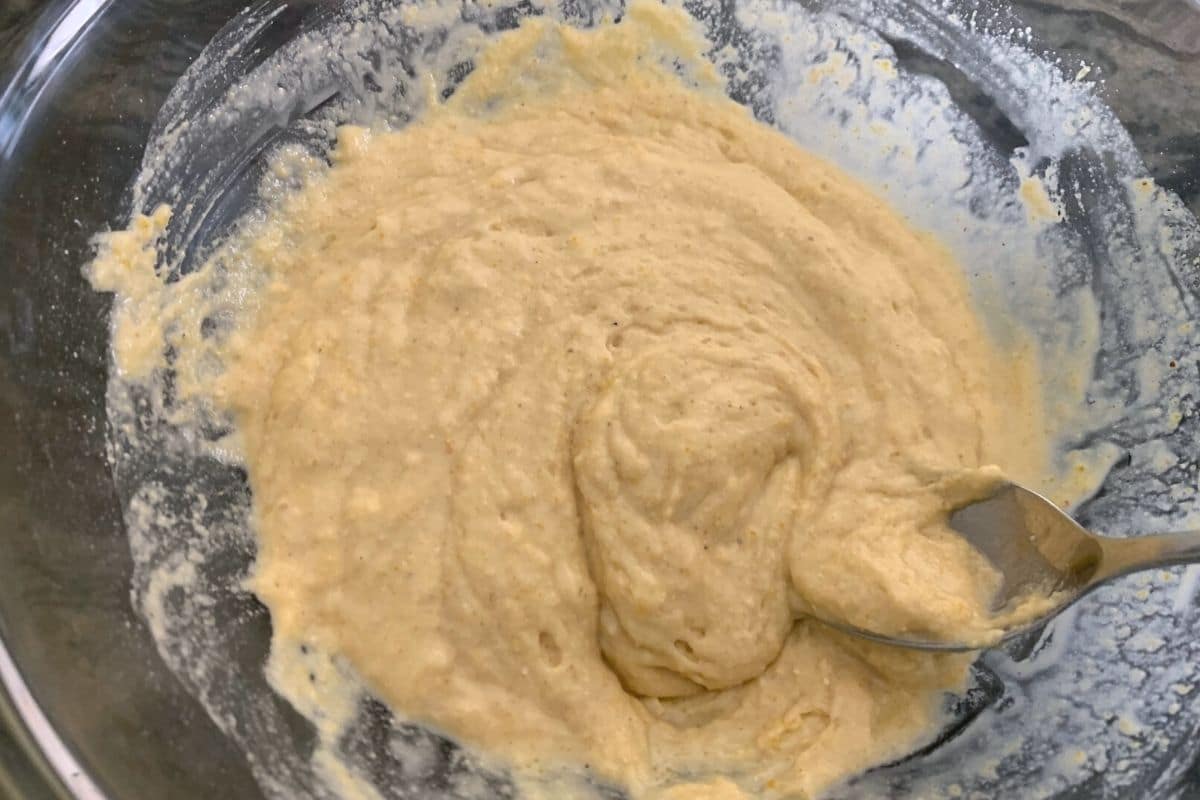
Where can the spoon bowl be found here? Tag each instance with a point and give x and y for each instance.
(1045, 558)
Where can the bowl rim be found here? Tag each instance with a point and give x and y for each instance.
(51, 37)
(22, 718)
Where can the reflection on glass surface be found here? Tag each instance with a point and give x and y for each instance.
(46, 51)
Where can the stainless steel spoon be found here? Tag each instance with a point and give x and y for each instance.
(1040, 551)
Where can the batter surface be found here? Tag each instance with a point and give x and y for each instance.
(567, 405)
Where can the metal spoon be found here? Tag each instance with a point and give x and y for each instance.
(1041, 552)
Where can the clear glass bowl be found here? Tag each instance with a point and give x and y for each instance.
(88, 706)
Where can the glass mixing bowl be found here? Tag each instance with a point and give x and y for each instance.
(91, 706)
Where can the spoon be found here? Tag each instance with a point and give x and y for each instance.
(1044, 555)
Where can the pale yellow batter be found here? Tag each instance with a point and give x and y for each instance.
(565, 406)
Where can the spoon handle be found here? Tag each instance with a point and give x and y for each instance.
(1122, 556)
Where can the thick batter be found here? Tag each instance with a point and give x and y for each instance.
(566, 406)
